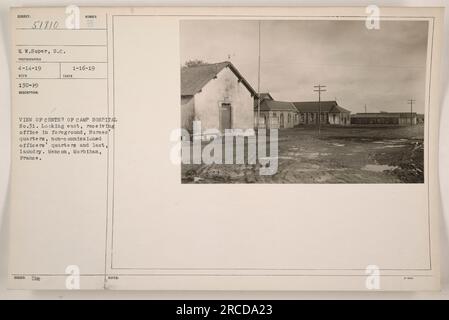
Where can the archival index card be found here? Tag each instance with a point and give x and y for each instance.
(225, 148)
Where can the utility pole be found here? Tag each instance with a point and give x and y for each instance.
(319, 88)
(365, 107)
(258, 87)
(411, 101)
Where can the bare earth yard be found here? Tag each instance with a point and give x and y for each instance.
(338, 155)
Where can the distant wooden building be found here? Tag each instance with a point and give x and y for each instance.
(275, 114)
(331, 113)
(218, 96)
(385, 118)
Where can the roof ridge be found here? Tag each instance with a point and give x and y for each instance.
(276, 100)
(207, 64)
(193, 79)
(314, 101)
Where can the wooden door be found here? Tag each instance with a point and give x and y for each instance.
(225, 116)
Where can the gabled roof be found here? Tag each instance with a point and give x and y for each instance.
(273, 105)
(265, 95)
(193, 79)
(314, 106)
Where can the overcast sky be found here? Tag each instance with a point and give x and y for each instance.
(380, 68)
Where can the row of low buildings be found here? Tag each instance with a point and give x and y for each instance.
(283, 114)
(387, 118)
(221, 98)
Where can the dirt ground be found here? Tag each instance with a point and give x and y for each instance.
(337, 155)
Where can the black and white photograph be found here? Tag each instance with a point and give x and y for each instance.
(311, 101)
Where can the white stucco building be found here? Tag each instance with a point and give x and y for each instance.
(218, 96)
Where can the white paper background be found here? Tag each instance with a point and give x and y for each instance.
(5, 147)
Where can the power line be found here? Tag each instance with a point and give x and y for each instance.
(319, 88)
(411, 101)
(258, 85)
